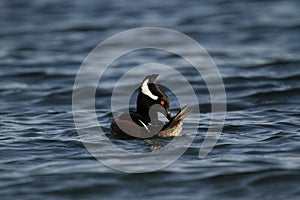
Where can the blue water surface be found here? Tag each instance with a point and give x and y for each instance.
(256, 47)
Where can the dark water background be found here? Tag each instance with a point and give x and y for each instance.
(256, 47)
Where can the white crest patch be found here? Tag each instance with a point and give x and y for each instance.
(146, 90)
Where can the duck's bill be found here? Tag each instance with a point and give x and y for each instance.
(169, 116)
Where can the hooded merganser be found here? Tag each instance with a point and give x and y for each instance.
(144, 123)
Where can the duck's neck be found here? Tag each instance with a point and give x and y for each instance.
(143, 109)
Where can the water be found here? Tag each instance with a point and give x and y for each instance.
(256, 47)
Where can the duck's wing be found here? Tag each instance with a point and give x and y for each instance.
(125, 129)
(174, 127)
(130, 125)
(185, 111)
(177, 120)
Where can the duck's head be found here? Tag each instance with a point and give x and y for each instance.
(152, 99)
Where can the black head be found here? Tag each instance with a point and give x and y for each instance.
(150, 95)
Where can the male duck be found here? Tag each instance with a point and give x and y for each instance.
(144, 123)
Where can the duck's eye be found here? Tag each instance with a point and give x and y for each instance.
(162, 103)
